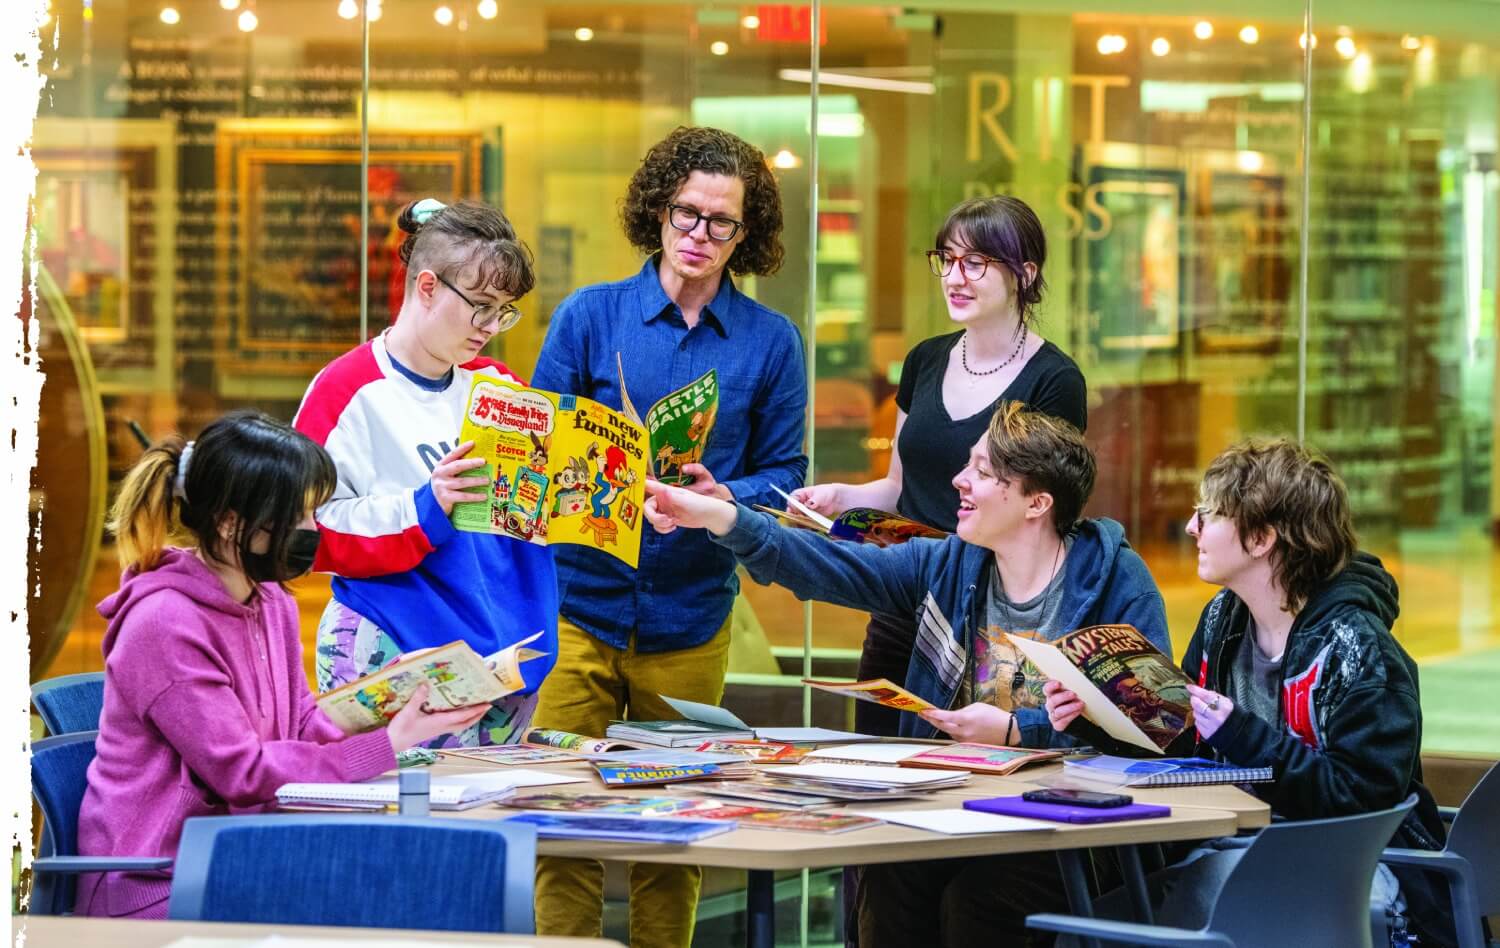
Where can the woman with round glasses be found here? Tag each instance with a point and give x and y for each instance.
(388, 412)
(989, 258)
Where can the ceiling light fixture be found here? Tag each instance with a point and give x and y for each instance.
(750, 22)
(230, 4)
(583, 34)
(1160, 46)
(348, 9)
(1203, 30)
(443, 15)
(1306, 39)
(248, 21)
(1249, 35)
(1345, 46)
(1110, 44)
(170, 16)
(718, 48)
(489, 9)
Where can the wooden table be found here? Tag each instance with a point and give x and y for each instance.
(45, 931)
(1197, 813)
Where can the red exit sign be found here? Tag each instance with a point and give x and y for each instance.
(783, 23)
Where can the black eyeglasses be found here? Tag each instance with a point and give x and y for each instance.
(686, 220)
(972, 265)
(486, 313)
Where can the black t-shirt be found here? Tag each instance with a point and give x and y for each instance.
(934, 447)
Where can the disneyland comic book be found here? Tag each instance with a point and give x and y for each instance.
(561, 469)
(678, 424)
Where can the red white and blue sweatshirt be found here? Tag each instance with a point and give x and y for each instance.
(397, 559)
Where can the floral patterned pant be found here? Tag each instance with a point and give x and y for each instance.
(349, 646)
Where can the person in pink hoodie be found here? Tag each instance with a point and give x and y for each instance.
(207, 709)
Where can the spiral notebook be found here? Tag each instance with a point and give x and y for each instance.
(1163, 772)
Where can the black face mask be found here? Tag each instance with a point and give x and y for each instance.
(301, 548)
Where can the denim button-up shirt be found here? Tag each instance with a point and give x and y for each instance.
(685, 584)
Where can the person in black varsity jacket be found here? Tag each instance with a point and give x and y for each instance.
(1297, 670)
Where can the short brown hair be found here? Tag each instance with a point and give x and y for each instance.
(1045, 454)
(666, 168)
(1279, 485)
(470, 243)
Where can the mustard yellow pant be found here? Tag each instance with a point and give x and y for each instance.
(591, 685)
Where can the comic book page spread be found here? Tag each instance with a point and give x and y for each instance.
(879, 690)
(562, 469)
(868, 525)
(679, 425)
(456, 677)
(1128, 687)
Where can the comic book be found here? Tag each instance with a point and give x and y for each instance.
(879, 690)
(979, 758)
(561, 469)
(609, 803)
(455, 674)
(577, 743)
(1128, 687)
(678, 425)
(857, 524)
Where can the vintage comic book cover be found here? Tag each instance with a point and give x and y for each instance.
(755, 817)
(879, 690)
(630, 776)
(678, 425)
(1129, 688)
(609, 803)
(509, 755)
(561, 469)
(979, 758)
(859, 524)
(757, 752)
(456, 676)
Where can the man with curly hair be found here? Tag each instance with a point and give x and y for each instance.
(702, 202)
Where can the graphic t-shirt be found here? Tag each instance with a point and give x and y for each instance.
(998, 673)
(1255, 684)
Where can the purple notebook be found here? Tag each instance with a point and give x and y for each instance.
(1062, 813)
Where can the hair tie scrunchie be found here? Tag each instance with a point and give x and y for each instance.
(179, 486)
(423, 210)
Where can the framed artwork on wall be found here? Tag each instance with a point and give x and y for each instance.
(288, 243)
(1132, 263)
(1246, 249)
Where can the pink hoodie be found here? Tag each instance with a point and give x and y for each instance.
(206, 712)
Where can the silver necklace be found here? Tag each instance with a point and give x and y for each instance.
(963, 354)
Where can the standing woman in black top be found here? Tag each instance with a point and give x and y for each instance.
(989, 260)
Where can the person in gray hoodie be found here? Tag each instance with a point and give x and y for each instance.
(1024, 563)
(206, 705)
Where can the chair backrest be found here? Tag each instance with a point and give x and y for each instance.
(1475, 835)
(59, 772)
(371, 871)
(1307, 883)
(70, 703)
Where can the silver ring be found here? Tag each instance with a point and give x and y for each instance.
(1214, 704)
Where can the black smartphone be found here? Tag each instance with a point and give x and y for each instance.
(1091, 798)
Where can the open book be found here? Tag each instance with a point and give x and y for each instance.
(678, 425)
(577, 743)
(455, 674)
(561, 469)
(859, 524)
(1128, 687)
(881, 691)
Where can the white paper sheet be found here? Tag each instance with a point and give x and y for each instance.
(958, 821)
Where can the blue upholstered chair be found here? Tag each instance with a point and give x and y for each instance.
(369, 871)
(1470, 863)
(70, 703)
(1301, 883)
(59, 766)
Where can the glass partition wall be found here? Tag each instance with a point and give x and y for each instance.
(1278, 224)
